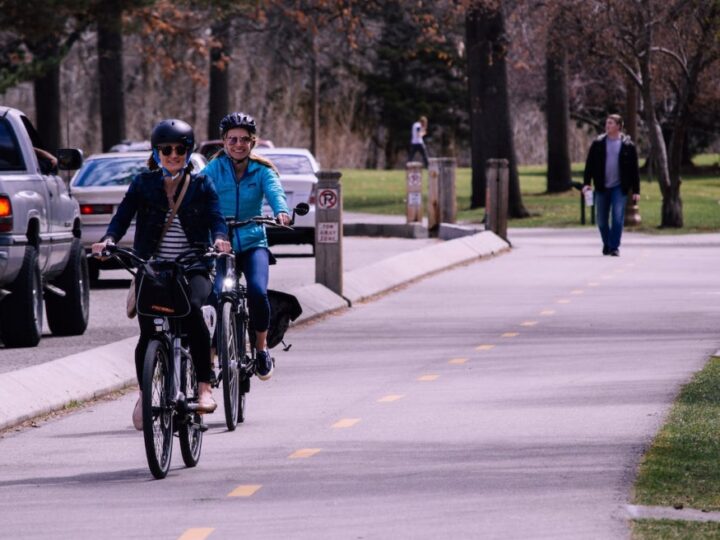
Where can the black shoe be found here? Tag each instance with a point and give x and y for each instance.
(606, 250)
(615, 253)
(263, 365)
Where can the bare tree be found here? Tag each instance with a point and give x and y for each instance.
(492, 137)
(110, 72)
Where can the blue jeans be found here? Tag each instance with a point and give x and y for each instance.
(610, 212)
(255, 265)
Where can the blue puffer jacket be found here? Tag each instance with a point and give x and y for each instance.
(243, 198)
(199, 213)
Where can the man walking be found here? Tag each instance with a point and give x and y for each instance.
(612, 165)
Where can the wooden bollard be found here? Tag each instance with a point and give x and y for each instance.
(442, 200)
(329, 231)
(497, 196)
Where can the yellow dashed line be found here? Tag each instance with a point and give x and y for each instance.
(391, 397)
(458, 361)
(304, 453)
(606, 277)
(426, 378)
(593, 284)
(528, 323)
(547, 312)
(245, 490)
(577, 291)
(346, 423)
(484, 347)
(510, 334)
(196, 534)
(563, 301)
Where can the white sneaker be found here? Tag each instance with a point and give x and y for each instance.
(137, 414)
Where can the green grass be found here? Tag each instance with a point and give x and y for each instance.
(683, 464)
(383, 192)
(682, 467)
(675, 530)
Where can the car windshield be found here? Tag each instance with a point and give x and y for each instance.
(110, 172)
(291, 164)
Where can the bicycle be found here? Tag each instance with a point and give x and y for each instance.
(169, 383)
(235, 338)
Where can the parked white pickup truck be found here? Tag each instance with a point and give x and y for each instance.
(41, 258)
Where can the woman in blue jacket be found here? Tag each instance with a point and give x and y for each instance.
(149, 198)
(242, 180)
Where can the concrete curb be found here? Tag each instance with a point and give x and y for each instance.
(51, 386)
(369, 281)
(40, 389)
(668, 512)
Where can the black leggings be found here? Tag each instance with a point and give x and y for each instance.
(194, 325)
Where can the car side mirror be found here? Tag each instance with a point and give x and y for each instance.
(301, 209)
(69, 159)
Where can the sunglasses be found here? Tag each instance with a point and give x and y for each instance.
(235, 140)
(180, 149)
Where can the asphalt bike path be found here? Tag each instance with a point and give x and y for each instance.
(509, 398)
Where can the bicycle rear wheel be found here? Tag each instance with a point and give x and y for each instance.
(156, 408)
(190, 432)
(229, 363)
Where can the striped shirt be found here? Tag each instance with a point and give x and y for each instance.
(174, 243)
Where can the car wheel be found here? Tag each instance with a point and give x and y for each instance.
(68, 315)
(21, 314)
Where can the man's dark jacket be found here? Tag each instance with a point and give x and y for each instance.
(595, 165)
(199, 212)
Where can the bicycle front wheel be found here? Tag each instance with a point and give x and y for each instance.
(228, 353)
(190, 431)
(157, 409)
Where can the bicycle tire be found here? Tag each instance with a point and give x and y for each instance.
(229, 363)
(157, 411)
(190, 434)
(245, 353)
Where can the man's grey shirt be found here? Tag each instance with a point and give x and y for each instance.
(612, 162)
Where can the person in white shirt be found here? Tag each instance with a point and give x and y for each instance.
(417, 143)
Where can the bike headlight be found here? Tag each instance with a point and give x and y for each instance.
(228, 284)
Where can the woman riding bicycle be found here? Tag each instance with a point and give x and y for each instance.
(151, 197)
(242, 180)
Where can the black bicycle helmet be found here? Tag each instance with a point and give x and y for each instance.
(237, 120)
(172, 131)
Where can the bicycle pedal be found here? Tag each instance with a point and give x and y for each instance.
(203, 427)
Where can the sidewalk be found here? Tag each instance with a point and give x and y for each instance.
(50, 386)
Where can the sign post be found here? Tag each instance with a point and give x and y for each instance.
(329, 231)
(413, 176)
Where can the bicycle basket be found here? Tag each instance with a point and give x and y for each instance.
(162, 291)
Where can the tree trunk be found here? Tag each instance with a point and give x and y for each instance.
(314, 97)
(47, 108)
(671, 215)
(218, 95)
(474, 48)
(559, 177)
(110, 72)
(485, 26)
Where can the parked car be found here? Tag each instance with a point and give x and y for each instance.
(42, 263)
(211, 147)
(297, 168)
(131, 146)
(99, 186)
